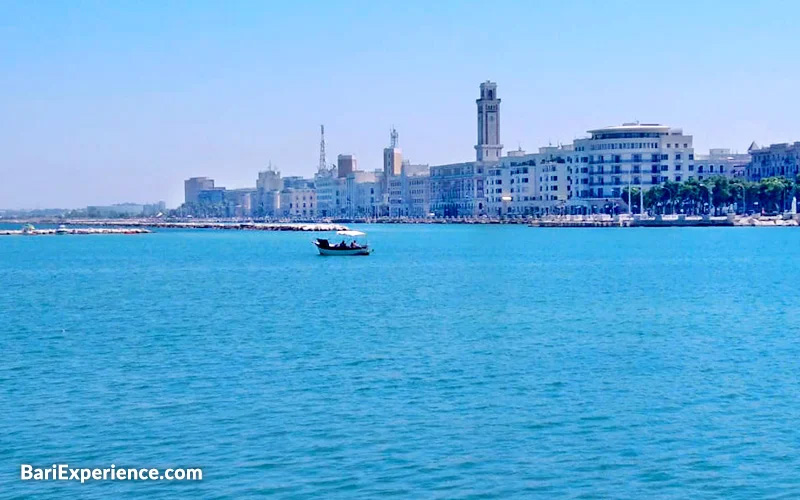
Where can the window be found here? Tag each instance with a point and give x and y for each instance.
(664, 168)
(677, 167)
(691, 168)
(677, 156)
(677, 178)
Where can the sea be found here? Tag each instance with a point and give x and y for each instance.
(456, 361)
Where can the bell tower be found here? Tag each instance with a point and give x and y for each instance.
(488, 147)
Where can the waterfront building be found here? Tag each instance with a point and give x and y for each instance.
(193, 186)
(298, 202)
(720, 162)
(213, 196)
(409, 192)
(269, 180)
(628, 155)
(530, 183)
(362, 194)
(268, 187)
(239, 202)
(457, 189)
(328, 188)
(774, 160)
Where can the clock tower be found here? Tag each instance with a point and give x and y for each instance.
(488, 147)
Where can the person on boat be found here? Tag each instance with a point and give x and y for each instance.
(353, 244)
(343, 244)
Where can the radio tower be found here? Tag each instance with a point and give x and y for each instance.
(322, 165)
(393, 137)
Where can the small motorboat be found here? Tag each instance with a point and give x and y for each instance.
(352, 243)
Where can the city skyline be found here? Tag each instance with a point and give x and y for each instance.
(95, 124)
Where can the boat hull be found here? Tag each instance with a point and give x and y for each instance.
(344, 251)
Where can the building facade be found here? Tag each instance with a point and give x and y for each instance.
(409, 192)
(631, 154)
(457, 189)
(774, 160)
(298, 203)
(193, 186)
(720, 161)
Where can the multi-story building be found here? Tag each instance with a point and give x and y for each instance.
(362, 194)
(239, 202)
(774, 160)
(298, 202)
(458, 189)
(268, 187)
(328, 186)
(641, 155)
(720, 161)
(193, 186)
(269, 180)
(213, 196)
(529, 184)
(409, 192)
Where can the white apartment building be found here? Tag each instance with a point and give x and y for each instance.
(639, 155)
(530, 184)
(719, 161)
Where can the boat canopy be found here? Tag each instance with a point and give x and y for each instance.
(350, 233)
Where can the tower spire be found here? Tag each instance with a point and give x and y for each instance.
(393, 137)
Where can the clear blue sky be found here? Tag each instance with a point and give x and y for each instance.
(113, 101)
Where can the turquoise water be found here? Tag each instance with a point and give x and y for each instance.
(455, 362)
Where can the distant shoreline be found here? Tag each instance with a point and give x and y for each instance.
(563, 221)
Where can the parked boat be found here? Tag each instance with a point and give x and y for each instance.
(352, 243)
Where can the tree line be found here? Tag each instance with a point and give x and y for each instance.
(718, 195)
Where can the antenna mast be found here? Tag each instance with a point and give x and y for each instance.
(393, 136)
